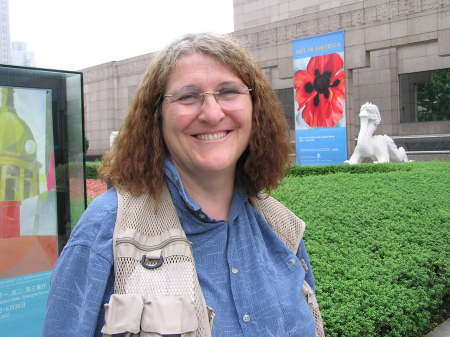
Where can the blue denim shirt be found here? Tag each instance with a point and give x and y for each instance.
(245, 271)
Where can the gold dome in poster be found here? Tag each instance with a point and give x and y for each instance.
(18, 164)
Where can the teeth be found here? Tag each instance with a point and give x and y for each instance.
(212, 136)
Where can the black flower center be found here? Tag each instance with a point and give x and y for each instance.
(321, 85)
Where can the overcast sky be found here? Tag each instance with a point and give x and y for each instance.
(75, 34)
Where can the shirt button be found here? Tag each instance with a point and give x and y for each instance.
(234, 270)
(304, 264)
(292, 261)
(246, 318)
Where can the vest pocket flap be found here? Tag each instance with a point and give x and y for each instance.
(167, 315)
(123, 314)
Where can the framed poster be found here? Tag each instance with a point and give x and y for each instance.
(35, 185)
(319, 94)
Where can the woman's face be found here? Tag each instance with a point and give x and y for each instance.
(205, 137)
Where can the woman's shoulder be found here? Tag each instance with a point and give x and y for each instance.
(96, 225)
(104, 202)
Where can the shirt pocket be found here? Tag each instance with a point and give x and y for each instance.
(292, 264)
(297, 315)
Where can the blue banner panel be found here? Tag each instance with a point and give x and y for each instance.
(318, 45)
(321, 146)
(23, 304)
(319, 94)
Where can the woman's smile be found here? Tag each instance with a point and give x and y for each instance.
(212, 136)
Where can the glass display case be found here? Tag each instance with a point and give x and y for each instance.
(42, 188)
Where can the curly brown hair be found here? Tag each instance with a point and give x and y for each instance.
(136, 161)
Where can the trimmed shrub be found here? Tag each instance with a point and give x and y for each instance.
(301, 171)
(92, 169)
(379, 245)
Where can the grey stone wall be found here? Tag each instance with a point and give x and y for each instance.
(108, 90)
(252, 13)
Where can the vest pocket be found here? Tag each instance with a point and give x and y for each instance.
(150, 316)
(169, 315)
(123, 314)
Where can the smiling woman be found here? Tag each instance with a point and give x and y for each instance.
(186, 235)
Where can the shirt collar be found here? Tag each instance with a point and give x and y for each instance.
(171, 172)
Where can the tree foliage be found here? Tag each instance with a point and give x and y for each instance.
(433, 97)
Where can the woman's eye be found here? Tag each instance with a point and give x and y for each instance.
(228, 93)
(187, 98)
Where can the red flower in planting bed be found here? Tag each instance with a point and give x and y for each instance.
(320, 90)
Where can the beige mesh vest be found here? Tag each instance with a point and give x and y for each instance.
(156, 290)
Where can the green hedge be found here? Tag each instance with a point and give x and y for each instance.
(300, 171)
(379, 244)
(76, 169)
(92, 169)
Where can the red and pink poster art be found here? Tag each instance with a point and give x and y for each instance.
(320, 90)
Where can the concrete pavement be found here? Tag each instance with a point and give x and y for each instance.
(442, 330)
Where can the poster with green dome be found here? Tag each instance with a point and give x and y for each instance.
(28, 205)
(42, 189)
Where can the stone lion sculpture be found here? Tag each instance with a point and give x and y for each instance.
(379, 149)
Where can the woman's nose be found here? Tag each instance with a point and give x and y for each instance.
(210, 110)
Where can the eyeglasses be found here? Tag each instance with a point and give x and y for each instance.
(229, 96)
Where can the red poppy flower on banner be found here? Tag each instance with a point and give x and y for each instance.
(320, 91)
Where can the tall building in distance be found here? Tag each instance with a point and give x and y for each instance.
(15, 52)
(20, 56)
(4, 32)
